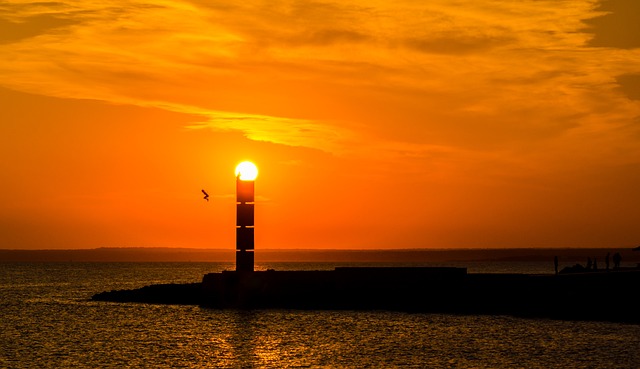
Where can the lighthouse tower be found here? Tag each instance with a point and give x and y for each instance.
(245, 185)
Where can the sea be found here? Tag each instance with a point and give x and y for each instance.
(48, 320)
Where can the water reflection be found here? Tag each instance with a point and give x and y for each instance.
(48, 322)
(249, 339)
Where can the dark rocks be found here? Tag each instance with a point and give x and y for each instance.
(180, 294)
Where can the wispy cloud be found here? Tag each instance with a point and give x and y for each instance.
(340, 77)
(285, 131)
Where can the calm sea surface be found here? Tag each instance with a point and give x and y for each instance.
(48, 321)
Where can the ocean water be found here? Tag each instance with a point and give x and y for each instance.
(47, 320)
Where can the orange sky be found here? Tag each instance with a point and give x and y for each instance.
(375, 124)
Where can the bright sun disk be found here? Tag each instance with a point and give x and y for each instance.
(247, 171)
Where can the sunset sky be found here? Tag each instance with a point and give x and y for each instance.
(374, 124)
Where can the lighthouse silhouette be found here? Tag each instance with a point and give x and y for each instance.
(245, 205)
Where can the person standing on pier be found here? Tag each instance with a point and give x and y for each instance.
(555, 263)
(616, 260)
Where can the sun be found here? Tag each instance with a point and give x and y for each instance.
(246, 171)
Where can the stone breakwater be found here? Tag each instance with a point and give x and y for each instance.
(602, 295)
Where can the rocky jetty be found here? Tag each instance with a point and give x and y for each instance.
(602, 295)
(175, 293)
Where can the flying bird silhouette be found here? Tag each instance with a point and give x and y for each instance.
(206, 195)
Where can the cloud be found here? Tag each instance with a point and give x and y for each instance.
(30, 27)
(279, 130)
(618, 25)
(630, 85)
(456, 44)
(328, 37)
(352, 78)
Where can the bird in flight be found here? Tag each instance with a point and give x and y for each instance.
(206, 195)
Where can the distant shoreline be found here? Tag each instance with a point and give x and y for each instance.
(143, 254)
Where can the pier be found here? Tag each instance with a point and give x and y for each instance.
(605, 296)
